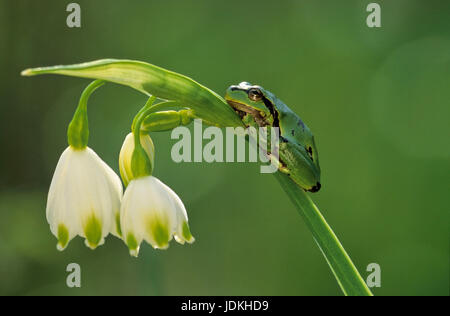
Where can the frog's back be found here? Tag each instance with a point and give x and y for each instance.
(291, 125)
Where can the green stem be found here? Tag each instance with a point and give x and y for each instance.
(340, 263)
(141, 165)
(78, 130)
(150, 108)
(139, 118)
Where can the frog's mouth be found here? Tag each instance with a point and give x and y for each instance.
(242, 110)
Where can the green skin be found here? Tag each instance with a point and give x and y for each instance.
(258, 107)
(298, 153)
(255, 107)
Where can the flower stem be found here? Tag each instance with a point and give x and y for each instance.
(139, 118)
(340, 263)
(150, 108)
(78, 130)
(141, 164)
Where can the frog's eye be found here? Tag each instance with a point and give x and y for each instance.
(255, 94)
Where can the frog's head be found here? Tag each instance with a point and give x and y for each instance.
(247, 99)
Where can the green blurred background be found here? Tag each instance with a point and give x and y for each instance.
(377, 101)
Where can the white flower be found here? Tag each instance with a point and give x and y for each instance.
(151, 211)
(127, 152)
(182, 232)
(84, 199)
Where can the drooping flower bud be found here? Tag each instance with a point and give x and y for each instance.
(126, 154)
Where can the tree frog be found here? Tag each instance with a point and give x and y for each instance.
(298, 153)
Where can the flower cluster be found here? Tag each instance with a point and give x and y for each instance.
(86, 196)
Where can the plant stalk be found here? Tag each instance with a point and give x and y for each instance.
(340, 263)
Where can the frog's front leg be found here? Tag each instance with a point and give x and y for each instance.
(167, 120)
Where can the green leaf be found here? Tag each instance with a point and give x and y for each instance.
(152, 80)
(340, 263)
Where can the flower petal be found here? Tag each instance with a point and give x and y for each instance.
(148, 212)
(182, 231)
(83, 199)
